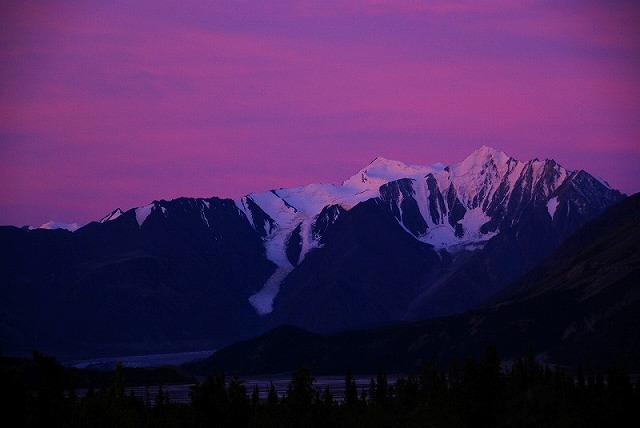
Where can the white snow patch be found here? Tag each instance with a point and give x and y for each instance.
(51, 225)
(308, 241)
(472, 221)
(204, 217)
(552, 206)
(274, 206)
(143, 212)
(262, 301)
(441, 236)
(112, 216)
(275, 247)
(242, 207)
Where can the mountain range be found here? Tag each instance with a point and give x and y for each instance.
(393, 243)
(580, 308)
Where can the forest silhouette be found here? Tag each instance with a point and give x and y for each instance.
(40, 392)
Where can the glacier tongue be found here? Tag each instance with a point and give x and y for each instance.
(262, 301)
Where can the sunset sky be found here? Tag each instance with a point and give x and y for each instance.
(107, 104)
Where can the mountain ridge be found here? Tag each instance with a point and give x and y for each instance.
(457, 207)
(394, 242)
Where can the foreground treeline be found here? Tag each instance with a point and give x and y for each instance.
(473, 393)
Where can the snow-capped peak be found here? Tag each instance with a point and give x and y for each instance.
(482, 157)
(71, 227)
(473, 183)
(381, 171)
(143, 212)
(112, 216)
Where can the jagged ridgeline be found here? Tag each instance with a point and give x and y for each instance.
(394, 242)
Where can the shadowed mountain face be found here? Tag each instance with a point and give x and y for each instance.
(581, 306)
(170, 284)
(584, 300)
(367, 272)
(393, 243)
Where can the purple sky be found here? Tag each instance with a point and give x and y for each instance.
(112, 104)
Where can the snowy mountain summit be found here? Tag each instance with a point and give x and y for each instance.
(449, 207)
(393, 242)
(452, 208)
